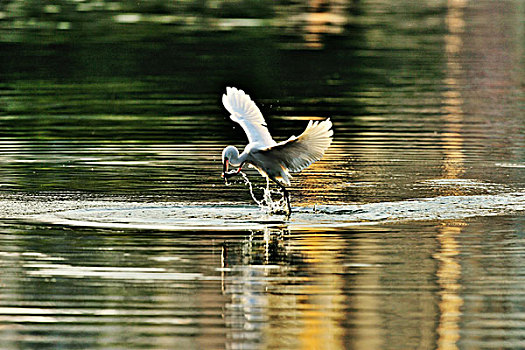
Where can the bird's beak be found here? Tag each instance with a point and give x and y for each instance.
(225, 168)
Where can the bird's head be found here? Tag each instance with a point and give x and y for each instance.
(229, 154)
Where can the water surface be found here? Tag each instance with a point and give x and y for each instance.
(117, 232)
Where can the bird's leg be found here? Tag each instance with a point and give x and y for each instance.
(286, 198)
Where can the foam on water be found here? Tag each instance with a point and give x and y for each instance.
(230, 216)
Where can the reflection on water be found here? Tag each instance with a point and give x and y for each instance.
(392, 286)
(449, 270)
(448, 276)
(453, 143)
(117, 231)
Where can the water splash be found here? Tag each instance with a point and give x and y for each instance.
(267, 203)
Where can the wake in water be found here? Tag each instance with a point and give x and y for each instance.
(267, 204)
(108, 213)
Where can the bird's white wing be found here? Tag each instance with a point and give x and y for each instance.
(297, 153)
(245, 112)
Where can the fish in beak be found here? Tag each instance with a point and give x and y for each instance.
(225, 167)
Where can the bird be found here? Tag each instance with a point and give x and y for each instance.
(274, 160)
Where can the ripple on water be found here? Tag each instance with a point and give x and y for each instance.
(228, 216)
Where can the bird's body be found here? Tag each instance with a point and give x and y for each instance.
(273, 160)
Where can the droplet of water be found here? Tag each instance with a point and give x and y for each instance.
(267, 203)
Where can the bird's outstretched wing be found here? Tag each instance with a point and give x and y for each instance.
(297, 153)
(245, 112)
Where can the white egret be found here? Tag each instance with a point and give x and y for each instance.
(272, 159)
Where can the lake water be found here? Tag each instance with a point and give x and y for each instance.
(117, 231)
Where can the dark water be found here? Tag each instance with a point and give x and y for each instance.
(117, 232)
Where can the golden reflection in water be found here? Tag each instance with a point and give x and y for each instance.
(318, 180)
(325, 302)
(452, 137)
(322, 17)
(448, 276)
(307, 315)
(319, 21)
(449, 269)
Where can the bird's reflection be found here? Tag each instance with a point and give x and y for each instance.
(249, 271)
(280, 291)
